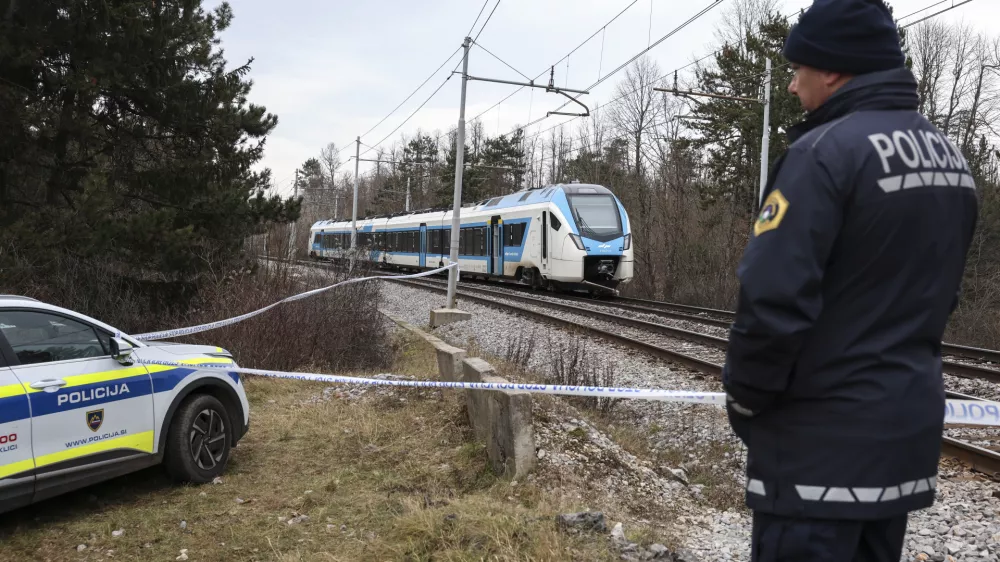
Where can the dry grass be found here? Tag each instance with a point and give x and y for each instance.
(390, 477)
(716, 460)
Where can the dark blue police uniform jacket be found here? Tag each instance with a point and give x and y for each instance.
(834, 362)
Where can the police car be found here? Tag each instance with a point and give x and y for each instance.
(76, 407)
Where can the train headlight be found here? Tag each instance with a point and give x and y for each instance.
(578, 241)
(628, 242)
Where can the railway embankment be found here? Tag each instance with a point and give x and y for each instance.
(685, 469)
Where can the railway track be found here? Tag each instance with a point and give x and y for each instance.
(712, 317)
(979, 458)
(950, 367)
(724, 318)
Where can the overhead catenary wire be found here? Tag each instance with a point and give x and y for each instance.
(422, 84)
(415, 111)
(542, 73)
(481, 10)
(601, 79)
(485, 23)
(744, 78)
(603, 30)
(590, 146)
(625, 64)
(948, 9)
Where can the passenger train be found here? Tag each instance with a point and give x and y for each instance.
(570, 237)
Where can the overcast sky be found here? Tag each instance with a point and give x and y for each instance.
(331, 70)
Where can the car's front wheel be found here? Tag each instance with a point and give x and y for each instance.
(198, 442)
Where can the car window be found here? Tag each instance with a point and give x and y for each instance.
(39, 337)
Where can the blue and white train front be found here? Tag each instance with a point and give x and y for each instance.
(594, 250)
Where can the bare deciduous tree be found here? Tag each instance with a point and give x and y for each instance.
(634, 112)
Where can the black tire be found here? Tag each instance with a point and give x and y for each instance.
(189, 457)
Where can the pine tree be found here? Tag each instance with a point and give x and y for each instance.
(731, 131)
(126, 134)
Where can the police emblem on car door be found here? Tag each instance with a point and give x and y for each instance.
(94, 419)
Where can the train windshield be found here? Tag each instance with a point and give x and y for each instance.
(596, 216)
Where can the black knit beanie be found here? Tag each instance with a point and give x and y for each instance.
(849, 36)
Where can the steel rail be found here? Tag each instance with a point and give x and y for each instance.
(978, 458)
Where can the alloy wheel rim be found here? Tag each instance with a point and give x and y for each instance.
(207, 439)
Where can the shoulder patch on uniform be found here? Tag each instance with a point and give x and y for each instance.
(774, 209)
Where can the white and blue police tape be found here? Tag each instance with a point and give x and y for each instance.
(968, 412)
(640, 393)
(230, 321)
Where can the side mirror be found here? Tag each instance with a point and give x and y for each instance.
(121, 351)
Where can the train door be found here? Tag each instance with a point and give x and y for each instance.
(423, 244)
(496, 245)
(545, 241)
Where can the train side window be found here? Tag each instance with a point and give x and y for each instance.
(516, 230)
(556, 224)
(446, 242)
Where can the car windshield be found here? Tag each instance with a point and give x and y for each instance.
(596, 216)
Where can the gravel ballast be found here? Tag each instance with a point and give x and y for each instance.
(963, 524)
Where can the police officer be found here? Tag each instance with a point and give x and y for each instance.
(833, 371)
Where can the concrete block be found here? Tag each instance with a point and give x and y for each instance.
(511, 445)
(450, 362)
(475, 369)
(443, 316)
(501, 419)
(449, 357)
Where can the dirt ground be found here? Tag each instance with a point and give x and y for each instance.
(324, 474)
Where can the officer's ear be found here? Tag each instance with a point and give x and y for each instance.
(835, 80)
